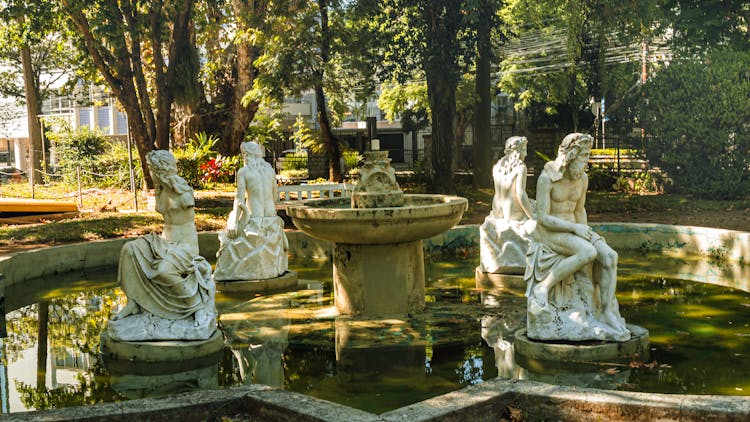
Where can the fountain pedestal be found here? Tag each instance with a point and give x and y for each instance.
(378, 263)
(378, 279)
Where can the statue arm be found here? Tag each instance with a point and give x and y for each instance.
(239, 200)
(580, 210)
(523, 199)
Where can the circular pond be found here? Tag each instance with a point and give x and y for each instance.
(700, 339)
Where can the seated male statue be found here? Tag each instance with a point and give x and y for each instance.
(253, 246)
(571, 272)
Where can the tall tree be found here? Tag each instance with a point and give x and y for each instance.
(311, 46)
(557, 60)
(484, 19)
(703, 25)
(433, 38)
(143, 51)
(32, 44)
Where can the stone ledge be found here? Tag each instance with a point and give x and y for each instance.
(284, 281)
(584, 352)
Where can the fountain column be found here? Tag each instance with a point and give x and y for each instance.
(378, 261)
(378, 279)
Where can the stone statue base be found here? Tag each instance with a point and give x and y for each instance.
(528, 350)
(502, 246)
(258, 253)
(146, 327)
(288, 280)
(160, 357)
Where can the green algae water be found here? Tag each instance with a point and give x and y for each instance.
(700, 339)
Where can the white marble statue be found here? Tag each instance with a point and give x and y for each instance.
(253, 246)
(503, 237)
(571, 272)
(168, 284)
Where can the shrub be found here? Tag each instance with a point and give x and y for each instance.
(199, 149)
(352, 159)
(219, 169)
(295, 161)
(697, 114)
(82, 148)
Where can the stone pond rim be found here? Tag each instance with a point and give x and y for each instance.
(421, 217)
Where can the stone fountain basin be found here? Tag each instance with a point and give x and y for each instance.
(421, 217)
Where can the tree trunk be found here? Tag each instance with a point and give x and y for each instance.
(244, 70)
(33, 109)
(441, 92)
(331, 144)
(482, 150)
(41, 353)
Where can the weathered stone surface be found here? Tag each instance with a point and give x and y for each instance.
(254, 245)
(503, 237)
(571, 272)
(146, 327)
(259, 252)
(161, 351)
(376, 185)
(378, 280)
(168, 284)
(636, 348)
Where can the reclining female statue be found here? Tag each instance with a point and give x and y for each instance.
(168, 285)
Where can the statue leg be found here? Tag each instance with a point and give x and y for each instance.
(606, 277)
(579, 254)
(130, 309)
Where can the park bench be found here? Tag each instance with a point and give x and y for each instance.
(291, 193)
(295, 194)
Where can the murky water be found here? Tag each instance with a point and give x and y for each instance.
(700, 336)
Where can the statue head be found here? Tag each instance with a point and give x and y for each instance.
(163, 167)
(516, 144)
(573, 153)
(251, 149)
(161, 161)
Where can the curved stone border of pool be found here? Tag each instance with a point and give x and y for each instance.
(488, 401)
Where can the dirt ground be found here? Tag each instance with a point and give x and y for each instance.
(727, 219)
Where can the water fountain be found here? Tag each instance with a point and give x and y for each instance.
(265, 331)
(378, 262)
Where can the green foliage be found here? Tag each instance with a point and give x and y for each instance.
(37, 24)
(81, 149)
(265, 127)
(559, 61)
(407, 102)
(294, 173)
(296, 161)
(199, 150)
(353, 159)
(646, 182)
(696, 113)
(704, 25)
(303, 137)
